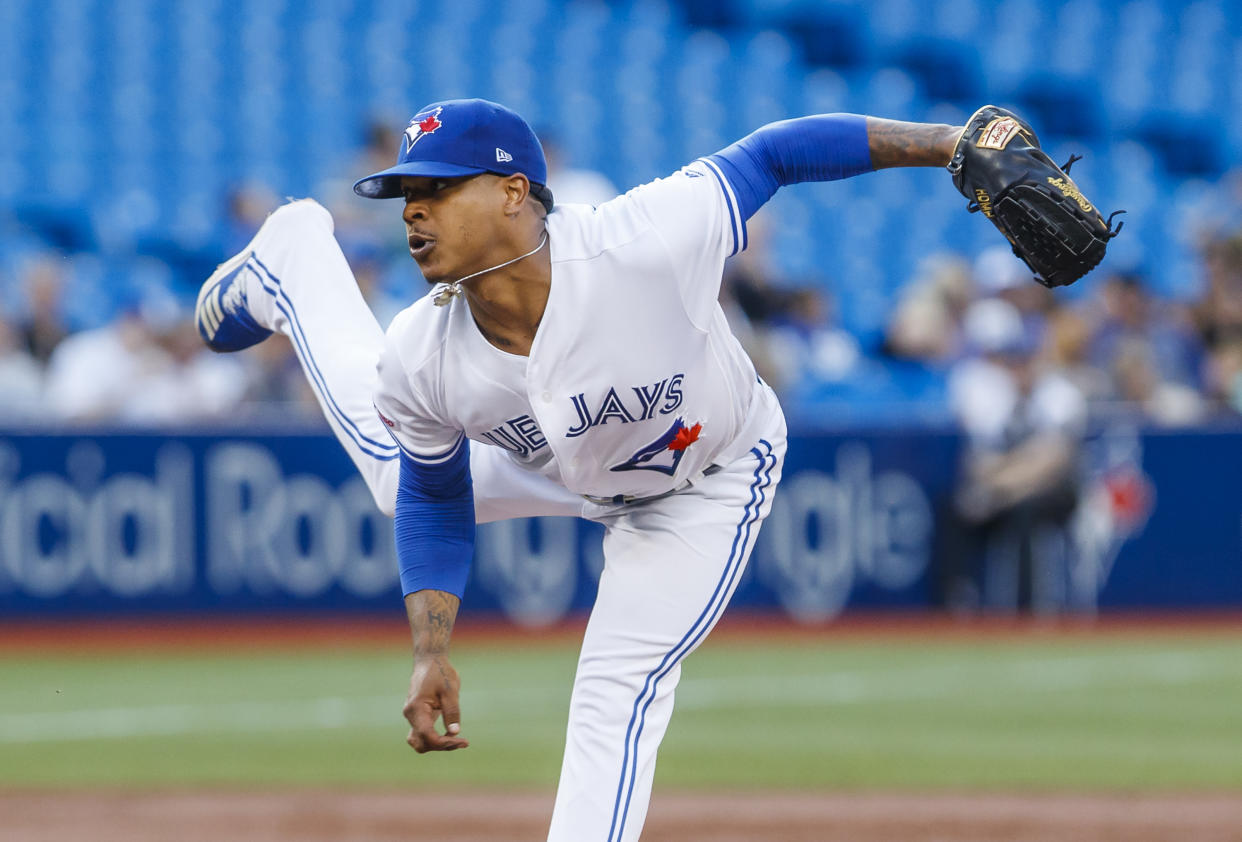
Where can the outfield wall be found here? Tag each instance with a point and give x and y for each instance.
(116, 522)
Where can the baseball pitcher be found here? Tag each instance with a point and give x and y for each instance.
(571, 360)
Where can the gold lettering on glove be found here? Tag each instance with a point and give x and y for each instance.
(1070, 189)
(984, 200)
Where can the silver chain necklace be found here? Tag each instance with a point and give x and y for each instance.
(453, 288)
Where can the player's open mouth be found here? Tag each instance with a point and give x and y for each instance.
(419, 246)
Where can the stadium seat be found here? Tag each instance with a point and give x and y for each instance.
(117, 99)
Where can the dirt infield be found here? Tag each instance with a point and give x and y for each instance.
(318, 816)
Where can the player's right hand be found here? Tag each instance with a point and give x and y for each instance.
(433, 694)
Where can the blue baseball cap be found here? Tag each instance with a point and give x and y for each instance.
(463, 137)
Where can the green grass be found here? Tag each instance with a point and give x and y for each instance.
(1109, 713)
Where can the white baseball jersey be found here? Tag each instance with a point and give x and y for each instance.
(634, 383)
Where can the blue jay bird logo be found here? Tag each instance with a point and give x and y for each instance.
(664, 454)
(420, 126)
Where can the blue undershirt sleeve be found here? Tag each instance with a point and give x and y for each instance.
(824, 147)
(434, 523)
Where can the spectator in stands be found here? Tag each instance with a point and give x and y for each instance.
(1218, 311)
(1225, 375)
(1217, 214)
(927, 322)
(95, 374)
(21, 377)
(276, 384)
(373, 243)
(748, 278)
(42, 324)
(804, 343)
(572, 185)
(1066, 350)
(752, 302)
(146, 367)
(365, 228)
(195, 384)
(1218, 315)
(1139, 384)
(385, 286)
(1019, 481)
(246, 207)
(1132, 325)
(998, 273)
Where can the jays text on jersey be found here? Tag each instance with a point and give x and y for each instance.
(634, 384)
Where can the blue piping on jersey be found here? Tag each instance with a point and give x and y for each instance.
(736, 220)
(705, 621)
(388, 452)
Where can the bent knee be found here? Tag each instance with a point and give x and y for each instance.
(299, 213)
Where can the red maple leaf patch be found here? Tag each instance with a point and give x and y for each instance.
(685, 437)
(429, 125)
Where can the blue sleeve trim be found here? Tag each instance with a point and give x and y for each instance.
(825, 147)
(434, 458)
(434, 524)
(426, 459)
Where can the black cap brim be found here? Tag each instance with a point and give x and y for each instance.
(386, 184)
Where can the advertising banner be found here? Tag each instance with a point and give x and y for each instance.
(107, 523)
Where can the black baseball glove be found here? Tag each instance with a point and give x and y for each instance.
(1051, 225)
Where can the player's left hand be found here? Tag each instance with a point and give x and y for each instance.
(433, 694)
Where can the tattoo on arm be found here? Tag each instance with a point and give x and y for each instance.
(444, 673)
(894, 143)
(432, 615)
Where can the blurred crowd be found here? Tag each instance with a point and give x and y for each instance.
(967, 323)
(972, 336)
(143, 364)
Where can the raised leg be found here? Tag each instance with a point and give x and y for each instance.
(293, 279)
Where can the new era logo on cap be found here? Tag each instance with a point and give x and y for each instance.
(502, 156)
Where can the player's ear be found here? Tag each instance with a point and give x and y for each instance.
(517, 188)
